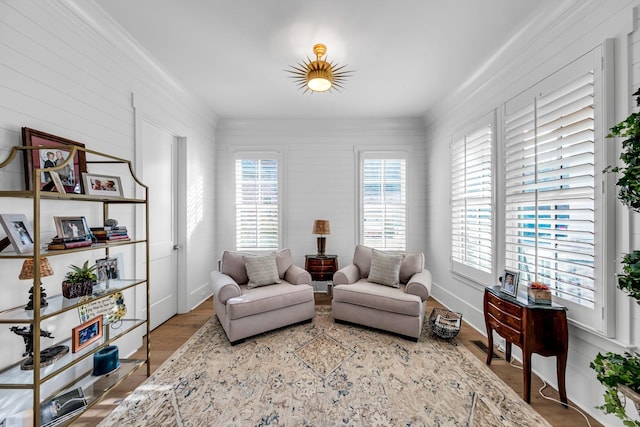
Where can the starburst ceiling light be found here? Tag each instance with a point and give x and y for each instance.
(319, 75)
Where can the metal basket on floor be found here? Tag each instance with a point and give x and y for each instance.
(444, 323)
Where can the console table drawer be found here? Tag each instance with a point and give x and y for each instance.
(511, 335)
(505, 317)
(505, 306)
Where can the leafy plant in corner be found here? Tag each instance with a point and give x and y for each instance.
(629, 181)
(629, 280)
(614, 370)
(621, 373)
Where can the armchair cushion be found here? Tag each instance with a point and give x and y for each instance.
(385, 268)
(262, 270)
(232, 264)
(411, 264)
(362, 259)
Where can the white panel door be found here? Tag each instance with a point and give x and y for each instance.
(159, 160)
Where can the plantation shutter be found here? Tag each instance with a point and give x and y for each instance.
(384, 204)
(550, 189)
(257, 219)
(472, 201)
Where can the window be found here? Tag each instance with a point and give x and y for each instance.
(383, 201)
(472, 201)
(257, 204)
(552, 140)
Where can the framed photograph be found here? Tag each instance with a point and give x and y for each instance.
(108, 269)
(102, 185)
(70, 175)
(72, 227)
(509, 284)
(18, 231)
(83, 335)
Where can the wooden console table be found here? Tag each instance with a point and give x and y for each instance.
(535, 328)
(321, 267)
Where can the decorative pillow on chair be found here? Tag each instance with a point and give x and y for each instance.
(411, 264)
(385, 268)
(262, 270)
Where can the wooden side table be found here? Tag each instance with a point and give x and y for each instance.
(321, 267)
(535, 328)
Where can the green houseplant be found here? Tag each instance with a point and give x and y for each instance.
(620, 374)
(79, 281)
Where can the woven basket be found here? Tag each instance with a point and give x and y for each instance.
(444, 323)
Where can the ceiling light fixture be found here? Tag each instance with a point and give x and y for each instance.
(319, 75)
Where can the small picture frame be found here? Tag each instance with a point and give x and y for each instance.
(72, 228)
(83, 335)
(56, 154)
(102, 185)
(107, 270)
(18, 231)
(509, 283)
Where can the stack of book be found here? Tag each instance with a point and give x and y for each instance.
(60, 243)
(109, 234)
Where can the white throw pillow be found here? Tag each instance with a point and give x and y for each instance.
(385, 268)
(262, 270)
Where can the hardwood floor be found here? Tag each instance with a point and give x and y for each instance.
(172, 334)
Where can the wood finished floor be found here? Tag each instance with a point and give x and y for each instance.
(172, 334)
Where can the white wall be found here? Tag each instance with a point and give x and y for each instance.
(545, 47)
(65, 69)
(320, 172)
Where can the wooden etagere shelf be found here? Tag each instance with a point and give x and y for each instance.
(69, 372)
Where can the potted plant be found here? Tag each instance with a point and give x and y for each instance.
(619, 373)
(79, 281)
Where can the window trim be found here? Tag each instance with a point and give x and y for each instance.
(601, 319)
(364, 154)
(261, 155)
(457, 268)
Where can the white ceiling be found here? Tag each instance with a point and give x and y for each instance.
(406, 54)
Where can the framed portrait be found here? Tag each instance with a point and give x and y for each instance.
(108, 269)
(18, 231)
(83, 335)
(72, 227)
(70, 174)
(509, 283)
(102, 185)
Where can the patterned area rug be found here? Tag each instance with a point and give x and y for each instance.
(322, 374)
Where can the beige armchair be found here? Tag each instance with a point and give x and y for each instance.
(254, 294)
(383, 290)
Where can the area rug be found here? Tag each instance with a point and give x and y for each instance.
(322, 374)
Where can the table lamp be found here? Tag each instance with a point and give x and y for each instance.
(321, 227)
(28, 272)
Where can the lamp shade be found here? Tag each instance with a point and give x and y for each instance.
(28, 270)
(321, 226)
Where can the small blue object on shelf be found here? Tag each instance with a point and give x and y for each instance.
(106, 360)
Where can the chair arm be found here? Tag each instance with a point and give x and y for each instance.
(420, 285)
(297, 275)
(224, 287)
(346, 275)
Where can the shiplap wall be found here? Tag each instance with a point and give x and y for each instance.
(320, 172)
(66, 69)
(551, 43)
